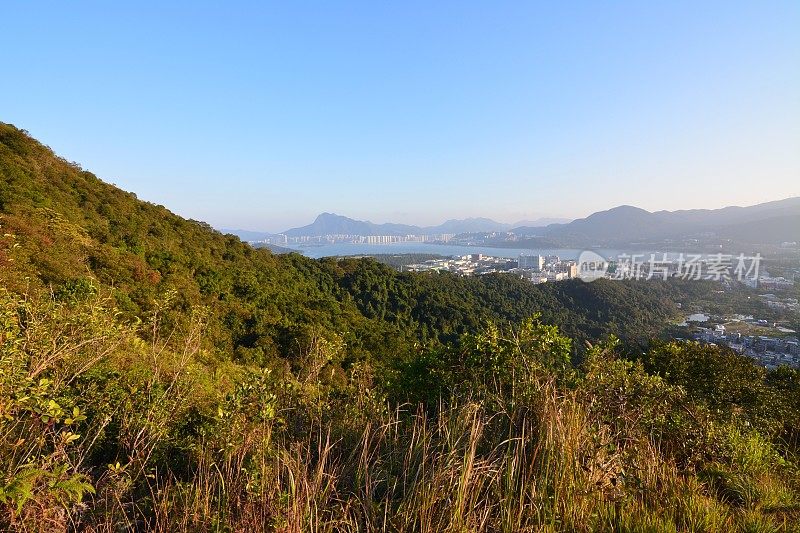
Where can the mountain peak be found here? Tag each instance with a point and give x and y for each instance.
(332, 224)
(625, 208)
(330, 216)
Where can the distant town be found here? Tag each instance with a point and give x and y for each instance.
(544, 268)
(282, 239)
(501, 239)
(535, 268)
(765, 341)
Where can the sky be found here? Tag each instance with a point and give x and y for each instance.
(260, 115)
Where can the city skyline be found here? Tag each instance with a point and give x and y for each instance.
(262, 116)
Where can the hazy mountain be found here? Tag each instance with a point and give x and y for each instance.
(540, 222)
(275, 249)
(332, 224)
(247, 235)
(770, 230)
(767, 223)
(468, 225)
(624, 222)
(732, 215)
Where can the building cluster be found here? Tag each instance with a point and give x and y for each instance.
(770, 352)
(272, 239)
(466, 265)
(389, 239)
(780, 303)
(544, 268)
(535, 268)
(355, 239)
(774, 284)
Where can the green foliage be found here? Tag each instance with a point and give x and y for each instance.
(496, 362)
(36, 424)
(729, 384)
(513, 433)
(636, 406)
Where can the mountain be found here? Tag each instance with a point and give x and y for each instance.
(770, 230)
(622, 225)
(624, 222)
(64, 231)
(332, 224)
(732, 215)
(247, 235)
(275, 249)
(540, 222)
(74, 232)
(467, 225)
(766, 223)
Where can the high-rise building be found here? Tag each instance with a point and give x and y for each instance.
(531, 262)
(567, 267)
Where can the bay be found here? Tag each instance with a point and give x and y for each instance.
(316, 251)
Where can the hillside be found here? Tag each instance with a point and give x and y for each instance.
(775, 223)
(156, 375)
(72, 226)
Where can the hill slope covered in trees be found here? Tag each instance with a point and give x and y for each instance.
(73, 228)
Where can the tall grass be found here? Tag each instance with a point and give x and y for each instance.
(169, 444)
(536, 469)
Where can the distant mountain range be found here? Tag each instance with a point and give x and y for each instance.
(247, 235)
(332, 224)
(767, 223)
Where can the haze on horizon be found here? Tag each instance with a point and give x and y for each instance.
(259, 116)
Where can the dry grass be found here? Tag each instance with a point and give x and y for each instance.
(545, 457)
(461, 470)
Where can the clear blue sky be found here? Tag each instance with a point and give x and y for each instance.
(259, 116)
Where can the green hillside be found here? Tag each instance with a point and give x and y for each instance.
(158, 375)
(72, 227)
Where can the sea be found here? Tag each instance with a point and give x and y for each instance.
(316, 251)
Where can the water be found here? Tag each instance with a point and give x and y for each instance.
(316, 251)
